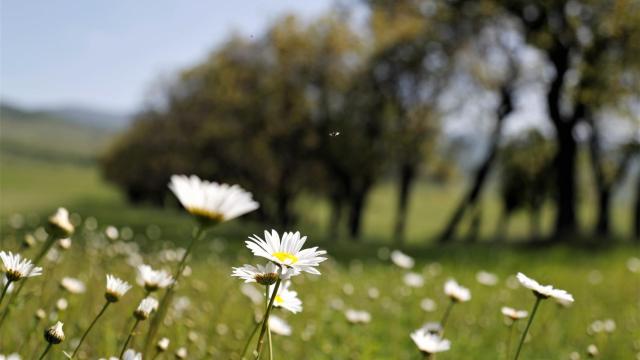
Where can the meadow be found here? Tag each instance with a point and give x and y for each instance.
(212, 316)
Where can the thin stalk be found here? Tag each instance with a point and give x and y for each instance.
(43, 251)
(266, 303)
(165, 302)
(265, 321)
(446, 314)
(509, 336)
(253, 333)
(104, 308)
(4, 290)
(526, 329)
(126, 343)
(46, 350)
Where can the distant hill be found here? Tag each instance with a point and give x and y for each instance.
(74, 135)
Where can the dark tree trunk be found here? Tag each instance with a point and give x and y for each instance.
(356, 210)
(636, 217)
(474, 191)
(335, 216)
(407, 176)
(283, 201)
(565, 163)
(604, 212)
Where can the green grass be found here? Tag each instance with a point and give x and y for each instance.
(219, 316)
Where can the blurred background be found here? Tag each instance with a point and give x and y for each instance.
(405, 122)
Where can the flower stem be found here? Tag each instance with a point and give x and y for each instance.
(266, 303)
(4, 290)
(46, 350)
(509, 336)
(265, 320)
(446, 314)
(126, 343)
(104, 308)
(526, 329)
(157, 320)
(253, 333)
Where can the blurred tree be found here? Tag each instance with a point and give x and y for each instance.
(525, 164)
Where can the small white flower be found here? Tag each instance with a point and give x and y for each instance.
(456, 292)
(116, 288)
(163, 344)
(146, 306)
(13, 356)
(288, 251)
(262, 274)
(428, 342)
(17, 268)
(54, 334)
(131, 355)
(181, 353)
(433, 328)
(64, 244)
(278, 326)
(401, 259)
(153, 280)
(211, 201)
(62, 304)
(357, 316)
(60, 223)
(486, 278)
(544, 291)
(72, 285)
(285, 298)
(514, 314)
(412, 279)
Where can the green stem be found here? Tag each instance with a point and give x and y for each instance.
(4, 290)
(104, 308)
(445, 316)
(526, 329)
(46, 350)
(265, 320)
(509, 336)
(43, 251)
(133, 329)
(253, 333)
(266, 303)
(156, 322)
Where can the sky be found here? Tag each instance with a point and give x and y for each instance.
(108, 54)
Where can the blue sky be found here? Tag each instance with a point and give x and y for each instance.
(108, 54)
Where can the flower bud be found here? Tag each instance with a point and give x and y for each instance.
(54, 335)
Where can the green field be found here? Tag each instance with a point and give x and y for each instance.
(217, 321)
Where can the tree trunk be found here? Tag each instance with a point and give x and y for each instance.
(565, 164)
(604, 212)
(356, 210)
(470, 199)
(407, 176)
(636, 218)
(335, 216)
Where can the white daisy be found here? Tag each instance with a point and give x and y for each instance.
(401, 259)
(262, 274)
(285, 298)
(287, 252)
(162, 345)
(72, 285)
(434, 328)
(131, 355)
(514, 314)
(211, 201)
(278, 326)
(357, 316)
(456, 292)
(428, 342)
(486, 278)
(13, 356)
(145, 308)
(544, 291)
(60, 224)
(116, 288)
(17, 268)
(414, 280)
(54, 334)
(153, 280)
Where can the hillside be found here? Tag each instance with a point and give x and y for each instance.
(50, 137)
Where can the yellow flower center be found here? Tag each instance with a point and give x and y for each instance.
(279, 299)
(206, 215)
(285, 257)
